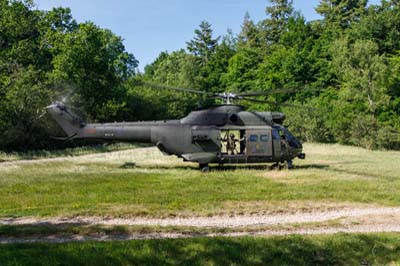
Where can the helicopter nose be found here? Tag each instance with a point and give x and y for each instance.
(301, 156)
(50, 106)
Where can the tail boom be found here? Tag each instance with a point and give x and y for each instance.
(76, 128)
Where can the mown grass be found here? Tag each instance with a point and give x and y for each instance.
(339, 249)
(164, 186)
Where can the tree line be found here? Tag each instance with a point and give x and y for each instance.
(343, 69)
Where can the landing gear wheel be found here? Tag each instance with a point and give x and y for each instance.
(204, 168)
(289, 164)
(275, 166)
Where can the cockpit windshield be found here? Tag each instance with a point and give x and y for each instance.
(292, 141)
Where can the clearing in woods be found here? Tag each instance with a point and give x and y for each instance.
(160, 186)
(105, 197)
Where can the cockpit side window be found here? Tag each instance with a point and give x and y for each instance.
(275, 134)
(292, 140)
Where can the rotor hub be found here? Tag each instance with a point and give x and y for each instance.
(227, 97)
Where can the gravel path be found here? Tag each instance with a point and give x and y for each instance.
(216, 221)
(391, 224)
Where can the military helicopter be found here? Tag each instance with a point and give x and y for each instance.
(220, 134)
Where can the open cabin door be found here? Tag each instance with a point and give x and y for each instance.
(208, 139)
(259, 142)
(276, 140)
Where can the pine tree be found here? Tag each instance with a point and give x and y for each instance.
(279, 13)
(203, 45)
(341, 12)
(249, 34)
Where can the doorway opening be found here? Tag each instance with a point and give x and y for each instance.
(233, 142)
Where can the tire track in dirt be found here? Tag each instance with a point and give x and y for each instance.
(388, 228)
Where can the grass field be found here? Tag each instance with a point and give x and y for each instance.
(340, 249)
(159, 186)
(106, 184)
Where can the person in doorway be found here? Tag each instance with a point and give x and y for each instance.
(284, 143)
(231, 144)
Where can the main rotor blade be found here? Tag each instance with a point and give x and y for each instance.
(166, 87)
(271, 92)
(275, 103)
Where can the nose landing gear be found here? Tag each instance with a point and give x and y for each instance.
(289, 164)
(204, 168)
(282, 165)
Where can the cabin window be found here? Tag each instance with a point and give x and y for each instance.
(253, 138)
(264, 138)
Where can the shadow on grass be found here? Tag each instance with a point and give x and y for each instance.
(226, 167)
(45, 229)
(341, 249)
(164, 167)
(266, 167)
(213, 168)
(327, 165)
(364, 174)
(312, 166)
(333, 167)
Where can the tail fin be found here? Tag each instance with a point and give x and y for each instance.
(69, 122)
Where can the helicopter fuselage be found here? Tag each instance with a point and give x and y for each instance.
(220, 134)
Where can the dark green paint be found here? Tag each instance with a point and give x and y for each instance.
(196, 137)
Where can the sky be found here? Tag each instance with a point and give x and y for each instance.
(149, 27)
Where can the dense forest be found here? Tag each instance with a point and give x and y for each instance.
(342, 69)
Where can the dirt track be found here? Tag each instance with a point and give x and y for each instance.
(369, 220)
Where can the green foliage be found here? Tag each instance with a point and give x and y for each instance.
(44, 54)
(381, 25)
(341, 12)
(22, 109)
(242, 69)
(279, 12)
(344, 69)
(311, 124)
(250, 34)
(94, 61)
(178, 69)
(362, 73)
